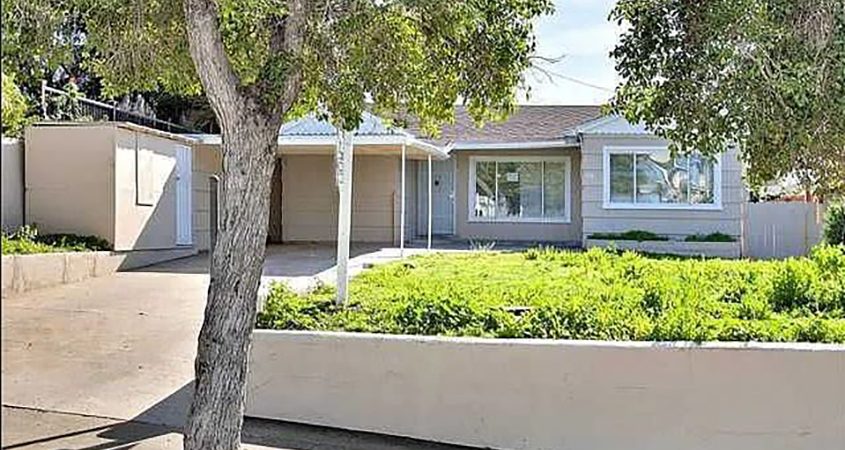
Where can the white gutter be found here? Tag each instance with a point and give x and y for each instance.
(331, 141)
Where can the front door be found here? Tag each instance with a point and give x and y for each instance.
(183, 196)
(443, 197)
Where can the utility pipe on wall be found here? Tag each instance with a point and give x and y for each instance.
(430, 212)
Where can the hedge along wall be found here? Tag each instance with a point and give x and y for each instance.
(546, 394)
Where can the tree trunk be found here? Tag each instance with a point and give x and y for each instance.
(216, 413)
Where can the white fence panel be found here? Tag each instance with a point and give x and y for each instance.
(782, 229)
(12, 188)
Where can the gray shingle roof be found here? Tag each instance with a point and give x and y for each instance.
(529, 123)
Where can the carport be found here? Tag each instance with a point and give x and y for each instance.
(314, 197)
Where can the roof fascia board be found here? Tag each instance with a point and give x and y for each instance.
(528, 145)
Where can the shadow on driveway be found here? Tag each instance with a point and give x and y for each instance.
(167, 418)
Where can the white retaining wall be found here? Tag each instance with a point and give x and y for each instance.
(543, 394)
(24, 273)
(711, 249)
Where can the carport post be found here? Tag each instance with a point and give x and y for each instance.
(344, 211)
(429, 202)
(402, 210)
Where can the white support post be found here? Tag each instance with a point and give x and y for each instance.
(429, 204)
(344, 212)
(402, 210)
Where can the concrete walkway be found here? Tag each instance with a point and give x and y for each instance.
(108, 363)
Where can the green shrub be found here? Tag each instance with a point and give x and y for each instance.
(712, 237)
(834, 224)
(26, 240)
(593, 294)
(631, 235)
(14, 107)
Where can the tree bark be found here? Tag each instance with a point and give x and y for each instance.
(216, 413)
(249, 130)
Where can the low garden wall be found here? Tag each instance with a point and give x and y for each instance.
(712, 249)
(24, 273)
(547, 394)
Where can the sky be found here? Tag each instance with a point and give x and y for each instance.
(580, 32)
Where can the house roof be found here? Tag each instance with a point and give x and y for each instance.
(613, 124)
(310, 125)
(312, 131)
(529, 123)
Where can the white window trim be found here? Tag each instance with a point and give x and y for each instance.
(634, 150)
(567, 189)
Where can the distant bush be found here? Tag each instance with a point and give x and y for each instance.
(631, 235)
(14, 107)
(596, 294)
(834, 224)
(27, 240)
(712, 237)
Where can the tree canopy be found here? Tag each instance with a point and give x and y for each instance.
(406, 56)
(766, 75)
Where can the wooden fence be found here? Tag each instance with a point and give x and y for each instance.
(782, 229)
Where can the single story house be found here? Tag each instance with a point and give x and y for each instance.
(557, 174)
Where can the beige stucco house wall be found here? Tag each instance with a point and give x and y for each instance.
(675, 223)
(310, 198)
(467, 228)
(207, 162)
(113, 180)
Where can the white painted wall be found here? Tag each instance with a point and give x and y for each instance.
(12, 187)
(536, 394)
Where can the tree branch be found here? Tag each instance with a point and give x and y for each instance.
(210, 59)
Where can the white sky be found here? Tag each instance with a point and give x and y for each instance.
(578, 30)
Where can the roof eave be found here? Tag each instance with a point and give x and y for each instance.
(520, 145)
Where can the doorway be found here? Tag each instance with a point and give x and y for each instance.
(443, 197)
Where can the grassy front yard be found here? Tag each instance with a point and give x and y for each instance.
(595, 294)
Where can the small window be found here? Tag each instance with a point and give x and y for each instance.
(528, 189)
(653, 178)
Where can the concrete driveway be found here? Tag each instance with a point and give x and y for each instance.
(108, 363)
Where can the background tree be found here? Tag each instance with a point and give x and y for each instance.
(14, 107)
(260, 62)
(768, 75)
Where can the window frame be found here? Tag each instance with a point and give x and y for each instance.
(643, 150)
(567, 189)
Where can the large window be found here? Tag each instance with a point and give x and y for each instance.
(527, 189)
(652, 178)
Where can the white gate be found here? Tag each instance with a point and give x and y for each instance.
(183, 196)
(782, 229)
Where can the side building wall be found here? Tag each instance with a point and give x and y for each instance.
(12, 179)
(69, 179)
